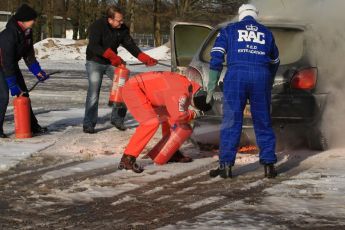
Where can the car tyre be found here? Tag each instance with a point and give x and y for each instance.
(317, 140)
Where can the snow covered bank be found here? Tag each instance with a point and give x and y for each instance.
(68, 54)
(67, 49)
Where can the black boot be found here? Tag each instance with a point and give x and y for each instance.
(119, 124)
(270, 171)
(37, 130)
(223, 171)
(118, 115)
(89, 129)
(128, 162)
(2, 135)
(180, 158)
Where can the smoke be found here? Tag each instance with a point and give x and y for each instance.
(326, 44)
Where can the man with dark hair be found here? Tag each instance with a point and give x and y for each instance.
(16, 43)
(105, 36)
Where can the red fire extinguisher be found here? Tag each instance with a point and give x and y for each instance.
(171, 145)
(22, 122)
(121, 75)
(157, 148)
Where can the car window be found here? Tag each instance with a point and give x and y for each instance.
(187, 41)
(289, 42)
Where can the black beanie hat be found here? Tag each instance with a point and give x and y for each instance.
(25, 13)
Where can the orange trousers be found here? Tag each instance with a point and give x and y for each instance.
(148, 117)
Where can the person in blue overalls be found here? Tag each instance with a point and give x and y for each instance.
(252, 62)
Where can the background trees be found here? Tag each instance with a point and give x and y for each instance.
(141, 16)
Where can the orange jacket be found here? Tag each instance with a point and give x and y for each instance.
(170, 90)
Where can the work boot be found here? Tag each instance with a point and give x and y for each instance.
(180, 158)
(117, 117)
(270, 171)
(119, 124)
(2, 135)
(128, 162)
(89, 129)
(223, 171)
(37, 130)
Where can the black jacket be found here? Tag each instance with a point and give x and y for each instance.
(102, 37)
(15, 44)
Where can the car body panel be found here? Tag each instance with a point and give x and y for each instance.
(289, 106)
(186, 38)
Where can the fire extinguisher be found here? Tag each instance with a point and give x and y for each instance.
(171, 145)
(157, 148)
(121, 75)
(22, 117)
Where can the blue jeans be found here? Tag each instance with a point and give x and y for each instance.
(95, 72)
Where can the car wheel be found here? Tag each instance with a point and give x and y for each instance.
(317, 140)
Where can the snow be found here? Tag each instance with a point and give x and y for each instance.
(203, 202)
(68, 54)
(317, 188)
(62, 49)
(13, 152)
(315, 194)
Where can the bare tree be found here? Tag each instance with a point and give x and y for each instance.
(50, 17)
(156, 23)
(64, 22)
(37, 30)
(73, 13)
(131, 14)
(82, 20)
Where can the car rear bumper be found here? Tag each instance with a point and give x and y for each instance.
(298, 108)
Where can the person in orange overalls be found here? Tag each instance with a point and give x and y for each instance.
(155, 98)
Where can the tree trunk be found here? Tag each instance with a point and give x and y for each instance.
(74, 14)
(131, 10)
(82, 20)
(122, 4)
(64, 20)
(50, 18)
(156, 23)
(37, 30)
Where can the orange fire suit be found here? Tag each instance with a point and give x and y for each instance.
(155, 98)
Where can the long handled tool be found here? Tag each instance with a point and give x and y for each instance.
(159, 63)
(52, 73)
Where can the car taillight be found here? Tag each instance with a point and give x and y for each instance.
(194, 75)
(304, 79)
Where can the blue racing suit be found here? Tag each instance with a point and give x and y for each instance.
(252, 61)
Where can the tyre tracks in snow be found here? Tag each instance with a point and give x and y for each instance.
(145, 205)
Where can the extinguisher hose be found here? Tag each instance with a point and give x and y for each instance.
(52, 73)
(159, 63)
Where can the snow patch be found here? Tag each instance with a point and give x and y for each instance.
(59, 49)
(203, 202)
(11, 153)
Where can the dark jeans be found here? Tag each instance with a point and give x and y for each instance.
(4, 98)
(95, 72)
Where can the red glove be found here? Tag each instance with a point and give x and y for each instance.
(147, 60)
(112, 57)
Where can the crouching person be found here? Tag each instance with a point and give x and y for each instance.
(155, 98)
(16, 43)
